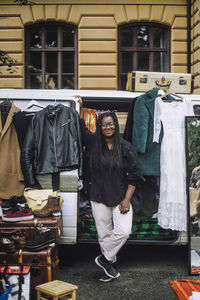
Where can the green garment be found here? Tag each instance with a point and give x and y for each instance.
(143, 122)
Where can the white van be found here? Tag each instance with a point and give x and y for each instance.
(74, 226)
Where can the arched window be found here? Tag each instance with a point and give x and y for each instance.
(142, 47)
(51, 56)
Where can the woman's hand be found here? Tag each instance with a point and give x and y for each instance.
(124, 206)
(79, 100)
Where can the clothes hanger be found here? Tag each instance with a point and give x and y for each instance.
(5, 106)
(7, 102)
(169, 92)
(31, 104)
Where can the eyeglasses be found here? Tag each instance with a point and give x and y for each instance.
(107, 125)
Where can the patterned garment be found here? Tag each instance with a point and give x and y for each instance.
(147, 229)
(184, 287)
(89, 116)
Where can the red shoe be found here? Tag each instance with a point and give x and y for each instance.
(18, 214)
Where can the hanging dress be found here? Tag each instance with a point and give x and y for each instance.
(172, 209)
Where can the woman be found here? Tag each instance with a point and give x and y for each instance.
(113, 175)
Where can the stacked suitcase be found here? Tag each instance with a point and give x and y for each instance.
(143, 81)
(44, 263)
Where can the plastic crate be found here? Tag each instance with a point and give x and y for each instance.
(5, 295)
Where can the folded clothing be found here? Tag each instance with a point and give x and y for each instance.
(68, 181)
(184, 287)
(147, 229)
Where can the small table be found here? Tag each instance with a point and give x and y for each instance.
(56, 289)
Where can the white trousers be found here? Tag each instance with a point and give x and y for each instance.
(113, 228)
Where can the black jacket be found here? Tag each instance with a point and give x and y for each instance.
(132, 173)
(52, 143)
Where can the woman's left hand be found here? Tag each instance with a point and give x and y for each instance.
(124, 206)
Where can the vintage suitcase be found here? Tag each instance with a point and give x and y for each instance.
(44, 265)
(28, 226)
(139, 81)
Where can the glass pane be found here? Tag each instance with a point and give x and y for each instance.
(143, 36)
(67, 82)
(51, 81)
(35, 62)
(143, 61)
(159, 62)
(159, 38)
(51, 62)
(123, 81)
(126, 37)
(36, 81)
(35, 38)
(51, 37)
(68, 37)
(127, 62)
(68, 62)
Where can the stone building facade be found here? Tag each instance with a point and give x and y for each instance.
(96, 48)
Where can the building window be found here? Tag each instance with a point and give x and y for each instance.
(51, 56)
(142, 47)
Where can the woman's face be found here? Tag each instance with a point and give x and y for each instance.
(107, 126)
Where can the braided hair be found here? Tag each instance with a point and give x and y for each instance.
(96, 155)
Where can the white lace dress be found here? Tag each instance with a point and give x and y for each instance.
(172, 209)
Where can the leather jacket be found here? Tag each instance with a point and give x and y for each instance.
(52, 143)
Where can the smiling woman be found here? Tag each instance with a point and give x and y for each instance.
(114, 176)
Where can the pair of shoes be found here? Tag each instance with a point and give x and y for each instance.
(43, 239)
(106, 266)
(18, 237)
(18, 213)
(52, 207)
(7, 245)
(12, 202)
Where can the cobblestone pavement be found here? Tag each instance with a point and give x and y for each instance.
(145, 272)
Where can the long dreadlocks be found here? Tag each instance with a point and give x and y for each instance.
(96, 156)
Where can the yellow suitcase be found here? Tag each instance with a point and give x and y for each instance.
(141, 81)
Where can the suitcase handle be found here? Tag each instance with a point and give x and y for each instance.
(163, 85)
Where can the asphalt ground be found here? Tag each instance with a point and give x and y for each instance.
(145, 272)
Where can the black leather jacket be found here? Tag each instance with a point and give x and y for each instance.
(52, 143)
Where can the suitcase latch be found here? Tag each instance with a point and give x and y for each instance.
(144, 79)
(182, 81)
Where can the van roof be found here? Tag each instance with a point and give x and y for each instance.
(69, 94)
(64, 93)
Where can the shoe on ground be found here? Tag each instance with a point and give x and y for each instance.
(105, 279)
(42, 239)
(18, 213)
(107, 267)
